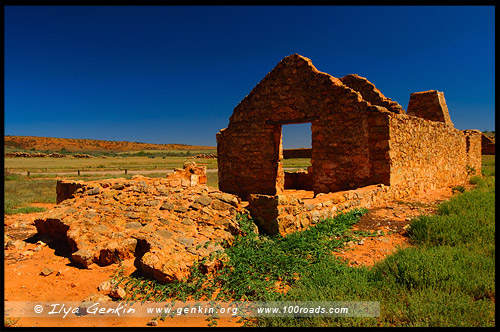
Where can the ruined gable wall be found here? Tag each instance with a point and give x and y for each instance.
(248, 150)
(370, 93)
(428, 154)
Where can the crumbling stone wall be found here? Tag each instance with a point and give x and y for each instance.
(487, 145)
(285, 214)
(250, 150)
(429, 105)
(190, 175)
(370, 93)
(473, 152)
(429, 155)
(297, 153)
(301, 180)
(359, 137)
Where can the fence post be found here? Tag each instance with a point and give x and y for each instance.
(125, 171)
(28, 173)
(78, 172)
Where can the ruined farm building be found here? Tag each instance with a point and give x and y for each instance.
(359, 137)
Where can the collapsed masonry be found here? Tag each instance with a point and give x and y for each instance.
(360, 138)
(165, 224)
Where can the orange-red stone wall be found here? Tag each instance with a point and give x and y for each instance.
(429, 105)
(429, 154)
(297, 153)
(354, 143)
(249, 150)
(487, 145)
(247, 158)
(285, 214)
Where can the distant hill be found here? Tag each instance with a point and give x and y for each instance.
(89, 145)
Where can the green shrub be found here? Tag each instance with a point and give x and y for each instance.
(464, 219)
(475, 179)
(258, 262)
(459, 189)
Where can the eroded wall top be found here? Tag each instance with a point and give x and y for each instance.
(370, 93)
(429, 105)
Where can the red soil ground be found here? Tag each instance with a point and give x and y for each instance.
(22, 266)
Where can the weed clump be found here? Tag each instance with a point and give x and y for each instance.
(258, 266)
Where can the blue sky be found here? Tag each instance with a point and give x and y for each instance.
(173, 74)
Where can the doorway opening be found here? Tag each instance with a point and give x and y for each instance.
(297, 153)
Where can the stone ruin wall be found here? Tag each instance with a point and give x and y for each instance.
(487, 145)
(249, 150)
(287, 213)
(355, 142)
(422, 155)
(426, 151)
(427, 155)
(300, 180)
(370, 93)
(297, 153)
(429, 105)
(359, 139)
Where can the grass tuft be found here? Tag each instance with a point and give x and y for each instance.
(20, 192)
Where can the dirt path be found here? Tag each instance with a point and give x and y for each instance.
(391, 221)
(27, 255)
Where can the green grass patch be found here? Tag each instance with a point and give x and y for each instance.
(465, 219)
(117, 163)
(256, 264)
(488, 165)
(27, 209)
(297, 163)
(20, 193)
(446, 279)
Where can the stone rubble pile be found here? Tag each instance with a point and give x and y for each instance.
(204, 156)
(166, 224)
(45, 155)
(33, 155)
(82, 155)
